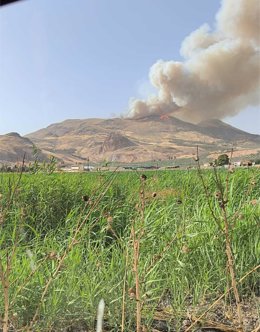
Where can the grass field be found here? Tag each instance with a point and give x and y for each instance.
(152, 245)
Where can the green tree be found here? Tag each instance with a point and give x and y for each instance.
(222, 160)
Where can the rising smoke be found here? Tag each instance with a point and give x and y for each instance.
(220, 74)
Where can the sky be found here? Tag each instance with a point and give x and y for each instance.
(63, 59)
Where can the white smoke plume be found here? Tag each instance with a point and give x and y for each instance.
(220, 74)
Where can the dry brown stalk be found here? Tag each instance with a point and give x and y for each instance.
(222, 196)
(257, 329)
(137, 284)
(66, 251)
(209, 324)
(229, 168)
(230, 260)
(197, 159)
(124, 293)
(221, 297)
(5, 271)
(137, 233)
(4, 275)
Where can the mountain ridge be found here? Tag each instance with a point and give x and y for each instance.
(16, 148)
(152, 137)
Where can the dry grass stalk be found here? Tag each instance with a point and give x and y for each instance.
(137, 233)
(73, 242)
(222, 196)
(230, 260)
(124, 293)
(209, 325)
(205, 188)
(4, 275)
(137, 284)
(257, 329)
(220, 298)
(6, 266)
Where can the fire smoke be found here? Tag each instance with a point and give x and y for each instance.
(220, 74)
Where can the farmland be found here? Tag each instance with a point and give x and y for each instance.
(150, 244)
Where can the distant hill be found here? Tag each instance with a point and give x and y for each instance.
(14, 148)
(149, 138)
(222, 130)
(128, 140)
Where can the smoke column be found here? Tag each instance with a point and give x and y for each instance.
(220, 74)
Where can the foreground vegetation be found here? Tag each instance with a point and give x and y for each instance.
(148, 244)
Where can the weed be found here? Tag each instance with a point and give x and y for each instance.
(68, 240)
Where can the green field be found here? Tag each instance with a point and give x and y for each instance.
(68, 240)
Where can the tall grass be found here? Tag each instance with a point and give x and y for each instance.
(181, 258)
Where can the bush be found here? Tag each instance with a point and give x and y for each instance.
(222, 160)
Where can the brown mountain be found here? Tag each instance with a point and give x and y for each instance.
(15, 148)
(148, 138)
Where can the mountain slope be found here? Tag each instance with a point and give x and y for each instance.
(226, 132)
(15, 148)
(148, 138)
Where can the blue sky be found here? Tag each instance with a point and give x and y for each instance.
(63, 59)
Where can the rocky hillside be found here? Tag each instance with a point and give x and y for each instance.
(149, 138)
(128, 140)
(15, 148)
